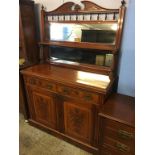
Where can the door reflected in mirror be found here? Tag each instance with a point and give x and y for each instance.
(95, 33)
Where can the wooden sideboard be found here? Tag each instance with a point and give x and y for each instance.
(61, 105)
(117, 126)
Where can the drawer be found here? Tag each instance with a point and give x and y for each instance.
(120, 135)
(118, 146)
(106, 150)
(84, 95)
(40, 83)
(118, 130)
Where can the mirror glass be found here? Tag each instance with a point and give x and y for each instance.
(73, 56)
(95, 33)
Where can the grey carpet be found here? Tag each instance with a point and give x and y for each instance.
(33, 141)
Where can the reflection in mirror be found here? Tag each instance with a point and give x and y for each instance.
(93, 79)
(96, 33)
(77, 55)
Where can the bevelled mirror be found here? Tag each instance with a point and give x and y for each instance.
(76, 32)
(77, 56)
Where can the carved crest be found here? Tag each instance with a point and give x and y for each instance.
(72, 8)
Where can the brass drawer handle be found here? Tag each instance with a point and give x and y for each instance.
(48, 86)
(66, 91)
(125, 135)
(122, 147)
(88, 97)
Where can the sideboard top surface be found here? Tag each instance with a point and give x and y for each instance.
(95, 82)
(120, 108)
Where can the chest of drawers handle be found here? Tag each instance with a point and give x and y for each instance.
(66, 91)
(88, 97)
(122, 147)
(124, 134)
(48, 86)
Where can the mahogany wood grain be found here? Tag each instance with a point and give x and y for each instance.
(86, 45)
(28, 48)
(120, 24)
(78, 121)
(27, 21)
(43, 106)
(70, 92)
(106, 150)
(23, 105)
(22, 48)
(60, 75)
(42, 24)
(89, 7)
(23, 108)
(117, 132)
(120, 108)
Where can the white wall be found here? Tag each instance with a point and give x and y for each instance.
(53, 4)
(126, 84)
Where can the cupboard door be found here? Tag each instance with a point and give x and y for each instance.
(78, 121)
(42, 107)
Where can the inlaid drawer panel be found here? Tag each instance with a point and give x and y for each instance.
(41, 83)
(120, 147)
(88, 97)
(63, 90)
(107, 150)
(120, 135)
(123, 131)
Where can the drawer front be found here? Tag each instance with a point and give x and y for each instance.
(118, 126)
(118, 146)
(120, 135)
(106, 150)
(63, 90)
(41, 83)
(86, 96)
(119, 130)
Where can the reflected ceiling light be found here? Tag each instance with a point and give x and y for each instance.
(114, 27)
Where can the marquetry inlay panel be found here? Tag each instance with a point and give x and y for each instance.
(78, 121)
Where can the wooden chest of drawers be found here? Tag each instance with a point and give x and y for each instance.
(117, 130)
